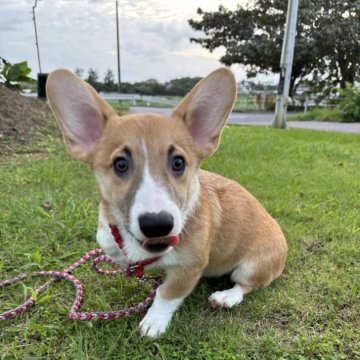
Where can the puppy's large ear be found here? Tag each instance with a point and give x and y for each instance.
(80, 111)
(206, 108)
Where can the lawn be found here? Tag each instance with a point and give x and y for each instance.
(309, 181)
(318, 114)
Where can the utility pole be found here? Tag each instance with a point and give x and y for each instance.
(287, 56)
(36, 36)
(118, 45)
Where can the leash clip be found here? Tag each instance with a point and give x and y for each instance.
(135, 270)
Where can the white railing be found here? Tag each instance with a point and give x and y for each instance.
(133, 97)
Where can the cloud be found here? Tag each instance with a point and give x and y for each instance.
(201, 53)
(154, 36)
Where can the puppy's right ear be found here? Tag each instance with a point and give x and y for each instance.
(80, 111)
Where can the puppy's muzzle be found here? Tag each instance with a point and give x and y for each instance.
(157, 228)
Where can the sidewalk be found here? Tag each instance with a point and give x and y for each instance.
(265, 119)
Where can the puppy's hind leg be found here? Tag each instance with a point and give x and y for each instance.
(229, 298)
(249, 274)
(234, 296)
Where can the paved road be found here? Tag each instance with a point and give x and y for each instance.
(265, 119)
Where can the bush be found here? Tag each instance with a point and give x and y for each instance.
(14, 74)
(349, 106)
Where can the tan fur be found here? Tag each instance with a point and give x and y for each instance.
(228, 231)
(230, 225)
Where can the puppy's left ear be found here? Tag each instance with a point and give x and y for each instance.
(205, 109)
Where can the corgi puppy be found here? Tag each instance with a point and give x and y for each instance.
(195, 222)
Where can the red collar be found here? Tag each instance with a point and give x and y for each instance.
(134, 268)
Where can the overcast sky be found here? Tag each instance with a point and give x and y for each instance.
(154, 37)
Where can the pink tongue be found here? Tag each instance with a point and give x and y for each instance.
(169, 241)
(174, 240)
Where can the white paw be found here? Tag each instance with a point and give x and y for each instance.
(227, 298)
(153, 324)
(158, 316)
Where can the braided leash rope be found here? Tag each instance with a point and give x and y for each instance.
(74, 312)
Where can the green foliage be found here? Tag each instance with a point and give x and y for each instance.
(178, 87)
(327, 40)
(318, 114)
(181, 86)
(307, 180)
(349, 106)
(14, 74)
(337, 33)
(109, 81)
(319, 88)
(148, 87)
(92, 78)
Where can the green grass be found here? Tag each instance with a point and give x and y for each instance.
(309, 181)
(121, 107)
(245, 102)
(318, 114)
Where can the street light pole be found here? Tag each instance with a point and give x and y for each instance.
(118, 45)
(287, 56)
(36, 36)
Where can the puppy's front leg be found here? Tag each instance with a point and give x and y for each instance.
(178, 284)
(159, 315)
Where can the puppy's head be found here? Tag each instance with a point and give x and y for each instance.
(145, 164)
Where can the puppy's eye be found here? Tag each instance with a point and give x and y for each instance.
(178, 164)
(120, 166)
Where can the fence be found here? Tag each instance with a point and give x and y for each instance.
(132, 97)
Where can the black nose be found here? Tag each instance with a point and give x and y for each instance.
(156, 224)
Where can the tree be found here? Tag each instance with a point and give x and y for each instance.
(181, 86)
(109, 77)
(92, 78)
(252, 35)
(339, 39)
(109, 81)
(127, 88)
(79, 72)
(149, 87)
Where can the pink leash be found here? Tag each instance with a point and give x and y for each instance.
(134, 269)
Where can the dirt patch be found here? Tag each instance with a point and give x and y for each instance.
(23, 121)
